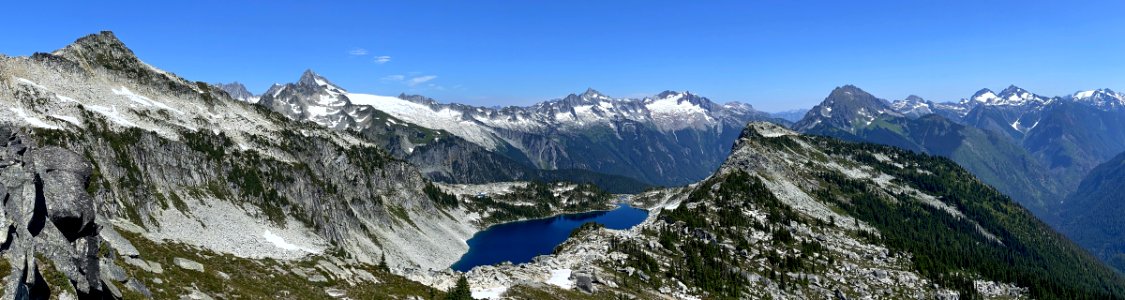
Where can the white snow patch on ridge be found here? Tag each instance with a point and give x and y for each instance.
(33, 121)
(560, 278)
(281, 243)
(422, 115)
(489, 293)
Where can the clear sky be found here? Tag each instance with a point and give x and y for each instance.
(773, 54)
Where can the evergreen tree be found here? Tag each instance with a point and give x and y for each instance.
(461, 291)
(383, 263)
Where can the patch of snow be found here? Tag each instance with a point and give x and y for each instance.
(31, 120)
(31, 83)
(489, 293)
(133, 96)
(68, 119)
(112, 114)
(560, 278)
(280, 242)
(1084, 94)
(445, 119)
(65, 98)
(986, 97)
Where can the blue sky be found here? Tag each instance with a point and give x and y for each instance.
(773, 54)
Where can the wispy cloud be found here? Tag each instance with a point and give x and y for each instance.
(358, 52)
(382, 59)
(413, 81)
(393, 78)
(420, 80)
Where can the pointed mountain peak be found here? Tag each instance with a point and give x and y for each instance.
(309, 77)
(101, 49)
(1012, 89)
(591, 93)
(101, 42)
(1013, 92)
(849, 91)
(313, 80)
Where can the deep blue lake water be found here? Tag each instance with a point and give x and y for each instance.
(519, 242)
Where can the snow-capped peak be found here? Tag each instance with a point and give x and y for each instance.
(912, 106)
(1010, 96)
(984, 96)
(592, 94)
(1100, 98)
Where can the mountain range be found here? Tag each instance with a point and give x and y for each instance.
(672, 138)
(1036, 149)
(124, 181)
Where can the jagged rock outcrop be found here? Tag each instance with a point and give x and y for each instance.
(49, 222)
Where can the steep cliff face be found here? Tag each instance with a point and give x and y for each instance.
(49, 224)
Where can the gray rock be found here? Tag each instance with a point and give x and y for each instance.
(118, 242)
(139, 287)
(63, 174)
(147, 266)
(644, 277)
(112, 288)
(188, 264)
(196, 295)
(880, 274)
(317, 278)
(51, 158)
(111, 271)
(585, 282)
(365, 276)
(333, 270)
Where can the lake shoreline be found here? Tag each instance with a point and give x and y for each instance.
(521, 240)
